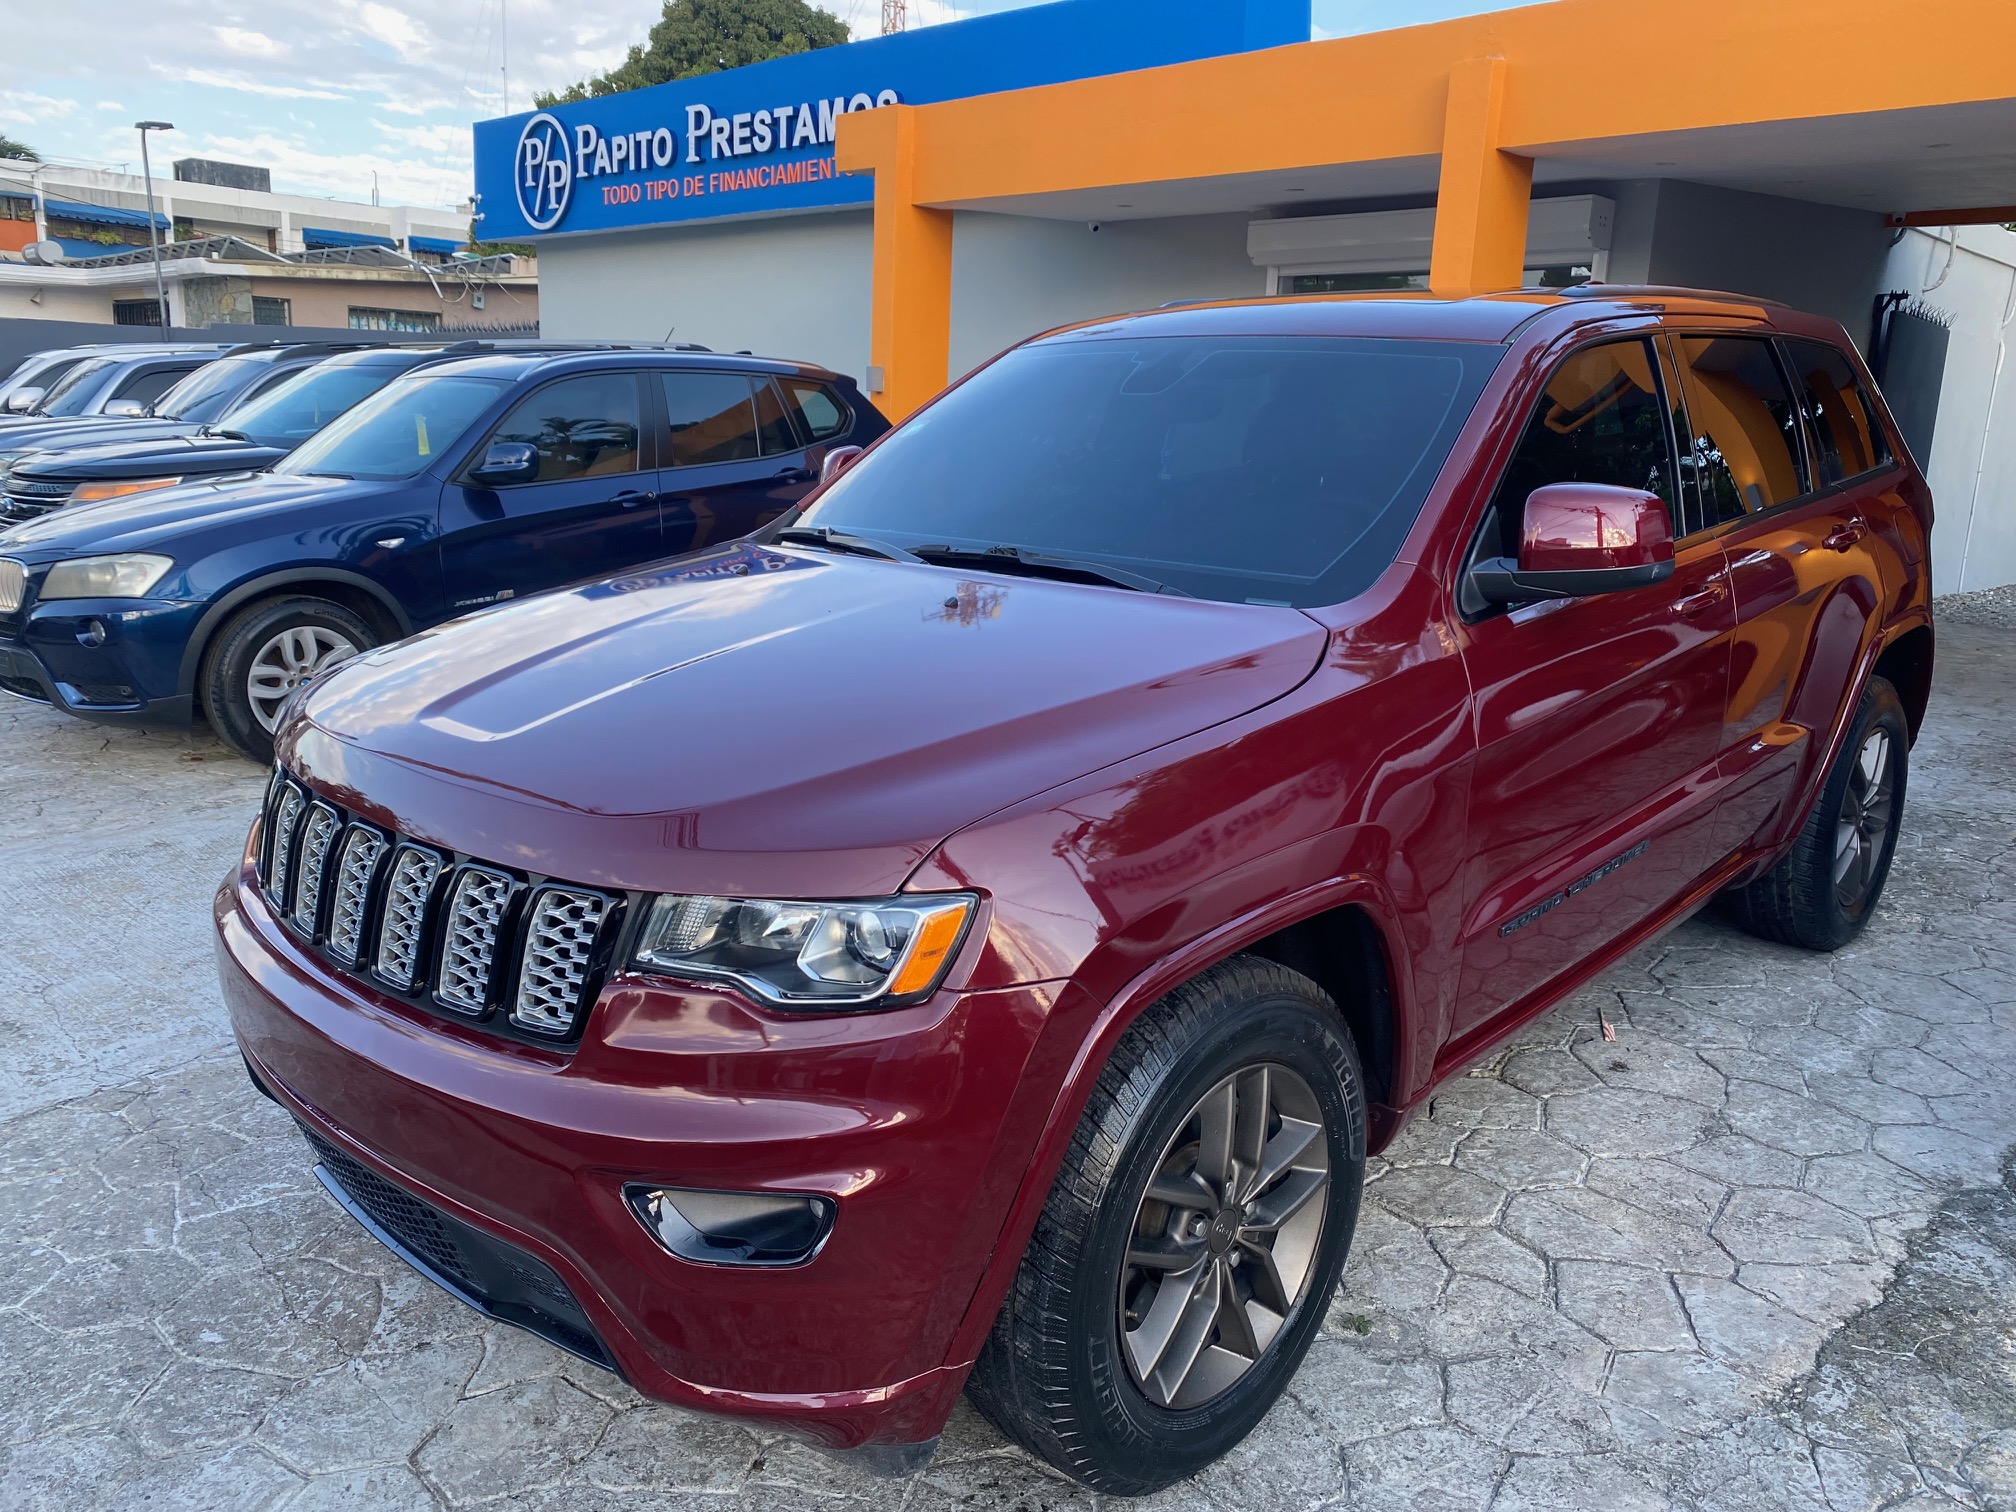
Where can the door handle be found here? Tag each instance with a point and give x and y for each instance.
(1700, 603)
(794, 475)
(630, 498)
(1845, 535)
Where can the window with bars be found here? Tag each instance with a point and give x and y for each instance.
(366, 318)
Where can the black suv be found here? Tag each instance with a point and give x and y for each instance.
(463, 484)
(261, 427)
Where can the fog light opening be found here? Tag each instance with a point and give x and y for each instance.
(733, 1228)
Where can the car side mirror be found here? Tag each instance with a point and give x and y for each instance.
(506, 462)
(1579, 539)
(837, 461)
(125, 409)
(23, 400)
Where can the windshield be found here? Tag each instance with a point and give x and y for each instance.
(1249, 469)
(74, 389)
(398, 430)
(288, 415)
(207, 393)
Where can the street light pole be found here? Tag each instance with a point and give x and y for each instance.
(153, 231)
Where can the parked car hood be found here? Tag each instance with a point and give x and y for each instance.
(161, 517)
(772, 722)
(90, 459)
(53, 432)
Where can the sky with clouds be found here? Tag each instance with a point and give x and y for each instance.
(328, 93)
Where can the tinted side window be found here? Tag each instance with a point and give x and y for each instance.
(1840, 417)
(773, 426)
(821, 415)
(1601, 419)
(1744, 450)
(584, 427)
(712, 417)
(149, 386)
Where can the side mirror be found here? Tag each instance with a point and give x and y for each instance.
(506, 462)
(23, 400)
(1580, 539)
(837, 461)
(125, 409)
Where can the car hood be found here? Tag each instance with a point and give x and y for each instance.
(773, 722)
(161, 517)
(49, 432)
(92, 459)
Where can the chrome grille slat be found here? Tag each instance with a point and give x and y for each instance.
(414, 871)
(356, 864)
(474, 919)
(280, 857)
(318, 834)
(13, 585)
(559, 950)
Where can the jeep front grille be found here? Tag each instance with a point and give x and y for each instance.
(356, 869)
(280, 854)
(311, 864)
(559, 952)
(513, 953)
(476, 907)
(406, 898)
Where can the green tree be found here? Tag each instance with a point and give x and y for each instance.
(705, 36)
(9, 148)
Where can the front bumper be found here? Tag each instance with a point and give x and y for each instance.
(114, 661)
(918, 1123)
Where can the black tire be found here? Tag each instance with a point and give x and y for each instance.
(1800, 901)
(1055, 1375)
(228, 664)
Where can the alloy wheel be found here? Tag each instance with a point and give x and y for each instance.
(288, 660)
(1864, 821)
(1225, 1238)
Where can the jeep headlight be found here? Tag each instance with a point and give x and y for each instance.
(129, 575)
(881, 951)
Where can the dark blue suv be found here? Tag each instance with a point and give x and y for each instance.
(457, 486)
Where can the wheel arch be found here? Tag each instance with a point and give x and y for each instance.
(1335, 926)
(1905, 662)
(366, 599)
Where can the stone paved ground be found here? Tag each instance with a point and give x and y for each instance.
(1758, 1252)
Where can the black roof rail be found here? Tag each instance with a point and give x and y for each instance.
(534, 345)
(281, 344)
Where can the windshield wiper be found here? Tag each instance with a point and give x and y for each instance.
(1044, 561)
(840, 540)
(228, 435)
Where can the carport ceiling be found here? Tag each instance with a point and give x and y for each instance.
(1948, 157)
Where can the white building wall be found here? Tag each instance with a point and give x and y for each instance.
(795, 287)
(1969, 274)
(1013, 276)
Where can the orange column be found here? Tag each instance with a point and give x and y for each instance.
(910, 331)
(1482, 201)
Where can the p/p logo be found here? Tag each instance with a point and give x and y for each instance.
(545, 172)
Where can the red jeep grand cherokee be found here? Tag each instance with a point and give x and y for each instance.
(971, 934)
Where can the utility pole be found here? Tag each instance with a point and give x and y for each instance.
(504, 49)
(895, 16)
(154, 231)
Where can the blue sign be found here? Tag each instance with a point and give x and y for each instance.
(759, 140)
